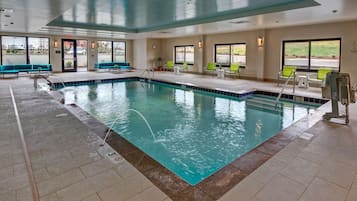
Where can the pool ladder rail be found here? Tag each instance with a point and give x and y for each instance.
(147, 72)
(292, 75)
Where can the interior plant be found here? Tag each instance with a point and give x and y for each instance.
(69, 63)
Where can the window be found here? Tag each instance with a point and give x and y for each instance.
(109, 51)
(184, 54)
(119, 51)
(105, 53)
(38, 51)
(227, 54)
(82, 60)
(310, 55)
(24, 50)
(13, 50)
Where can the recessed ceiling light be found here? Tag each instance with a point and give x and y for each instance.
(11, 22)
(277, 21)
(7, 15)
(334, 11)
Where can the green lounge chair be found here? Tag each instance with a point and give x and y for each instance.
(169, 66)
(233, 70)
(211, 66)
(320, 77)
(288, 72)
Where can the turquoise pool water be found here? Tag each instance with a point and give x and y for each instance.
(195, 133)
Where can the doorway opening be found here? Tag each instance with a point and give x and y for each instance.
(74, 55)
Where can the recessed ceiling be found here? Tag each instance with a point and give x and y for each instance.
(150, 15)
(133, 19)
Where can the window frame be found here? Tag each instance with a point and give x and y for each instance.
(309, 41)
(112, 46)
(49, 48)
(27, 47)
(230, 53)
(184, 57)
(124, 50)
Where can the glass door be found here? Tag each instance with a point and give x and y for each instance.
(69, 55)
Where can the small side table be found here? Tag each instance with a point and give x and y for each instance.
(176, 70)
(220, 73)
(302, 81)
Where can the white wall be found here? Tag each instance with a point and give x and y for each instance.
(140, 53)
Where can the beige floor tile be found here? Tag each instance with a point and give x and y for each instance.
(41, 175)
(6, 172)
(347, 156)
(289, 153)
(16, 182)
(152, 194)
(8, 196)
(352, 194)
(337, 173)
(268, 170)
(24, 194)
(77, 191)
(93, 197)
(301, 170)
(281, 188)
(89, 186)
(313, 157)
(96, 167)
(244, 191)
(57, 183)
(126, 189)
(125, 169)
(322, 190)
(51, 197)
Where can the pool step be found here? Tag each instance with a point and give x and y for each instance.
(265, 104)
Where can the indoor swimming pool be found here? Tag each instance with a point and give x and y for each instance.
(191, 132)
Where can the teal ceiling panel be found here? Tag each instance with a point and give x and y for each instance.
(149, 15)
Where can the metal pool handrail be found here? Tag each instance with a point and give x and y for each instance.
(34, 188)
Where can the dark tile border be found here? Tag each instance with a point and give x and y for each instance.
(216, 185)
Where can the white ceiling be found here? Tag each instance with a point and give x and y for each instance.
(32, 16)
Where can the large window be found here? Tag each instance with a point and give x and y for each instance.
(119, 51)
(13, 50)
(24, 50)
(310, 55)
(227, 54)
(82, 58)
(184, 54)
(109, 51)
(105, 53)
(38, 51)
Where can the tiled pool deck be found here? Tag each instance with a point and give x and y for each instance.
(69, 164)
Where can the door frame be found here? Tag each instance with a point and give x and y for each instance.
(74, 55)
